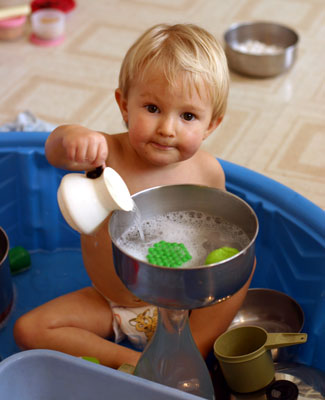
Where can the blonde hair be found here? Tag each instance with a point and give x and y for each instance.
(175, 49)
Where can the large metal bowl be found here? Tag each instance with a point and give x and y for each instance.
(252, 60)
(185, 288)
(275, 312)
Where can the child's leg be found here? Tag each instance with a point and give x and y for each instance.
(76, 323)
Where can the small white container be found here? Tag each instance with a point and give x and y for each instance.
(48, 23)
(86, 202)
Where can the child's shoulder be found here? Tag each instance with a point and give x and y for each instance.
(211, 169)
(117, 141)
(115, 138)
(119, 148)
(207, 159)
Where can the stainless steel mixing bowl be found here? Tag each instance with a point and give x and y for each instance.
(182, 288)
(242, 60)
(275, 312)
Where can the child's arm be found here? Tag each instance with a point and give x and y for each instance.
(76, 148)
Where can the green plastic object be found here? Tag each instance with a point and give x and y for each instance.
(220, 254)
(19, 259)
(91, 359)
(244, 359)
(167, 254)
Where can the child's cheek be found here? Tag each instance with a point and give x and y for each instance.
(193, 141)
(140, 125)
(189, 147)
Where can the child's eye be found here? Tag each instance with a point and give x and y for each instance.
(152, 108)
(188, 116)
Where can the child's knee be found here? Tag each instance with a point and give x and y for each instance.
(26, 331)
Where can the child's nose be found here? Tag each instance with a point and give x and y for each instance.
(167, 127)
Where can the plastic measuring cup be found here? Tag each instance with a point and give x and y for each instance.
(244, 356)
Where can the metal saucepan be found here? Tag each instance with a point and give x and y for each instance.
(185, 288)
(6, 287)
(275, 312)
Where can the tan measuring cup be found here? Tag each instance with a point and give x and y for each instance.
(244, 356)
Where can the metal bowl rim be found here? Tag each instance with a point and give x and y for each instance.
(243, 251)
(282, 294)
(6, 252)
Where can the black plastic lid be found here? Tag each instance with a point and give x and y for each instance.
(95, 173)
(282, 390)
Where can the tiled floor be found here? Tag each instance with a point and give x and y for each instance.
(273, 126)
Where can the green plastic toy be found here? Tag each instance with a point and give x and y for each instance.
(220, 254)
(91, 359)
(167, 254)
(19, 259)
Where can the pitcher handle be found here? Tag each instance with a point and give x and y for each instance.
(95, 173)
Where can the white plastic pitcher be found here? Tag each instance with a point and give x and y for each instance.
(85, 202)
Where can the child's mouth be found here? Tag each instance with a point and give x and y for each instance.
(160, 146)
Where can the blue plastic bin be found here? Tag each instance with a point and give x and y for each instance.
(50, 375)
(290, 247)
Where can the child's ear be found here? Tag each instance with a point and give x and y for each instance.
(213, 125)
(123, 104)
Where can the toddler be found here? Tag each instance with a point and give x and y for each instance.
(172, 94)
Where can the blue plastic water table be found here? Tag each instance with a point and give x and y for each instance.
(290, 248)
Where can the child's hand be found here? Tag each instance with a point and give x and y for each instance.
(85, 147)
(76, 148)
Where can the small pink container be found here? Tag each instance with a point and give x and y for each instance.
(12, 28)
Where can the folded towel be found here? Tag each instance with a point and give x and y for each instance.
(27, 122)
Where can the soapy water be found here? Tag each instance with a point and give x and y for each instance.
(201, 233)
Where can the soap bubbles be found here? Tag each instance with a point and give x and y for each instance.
(201, 233)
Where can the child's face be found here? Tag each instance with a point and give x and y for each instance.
(166, 124)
